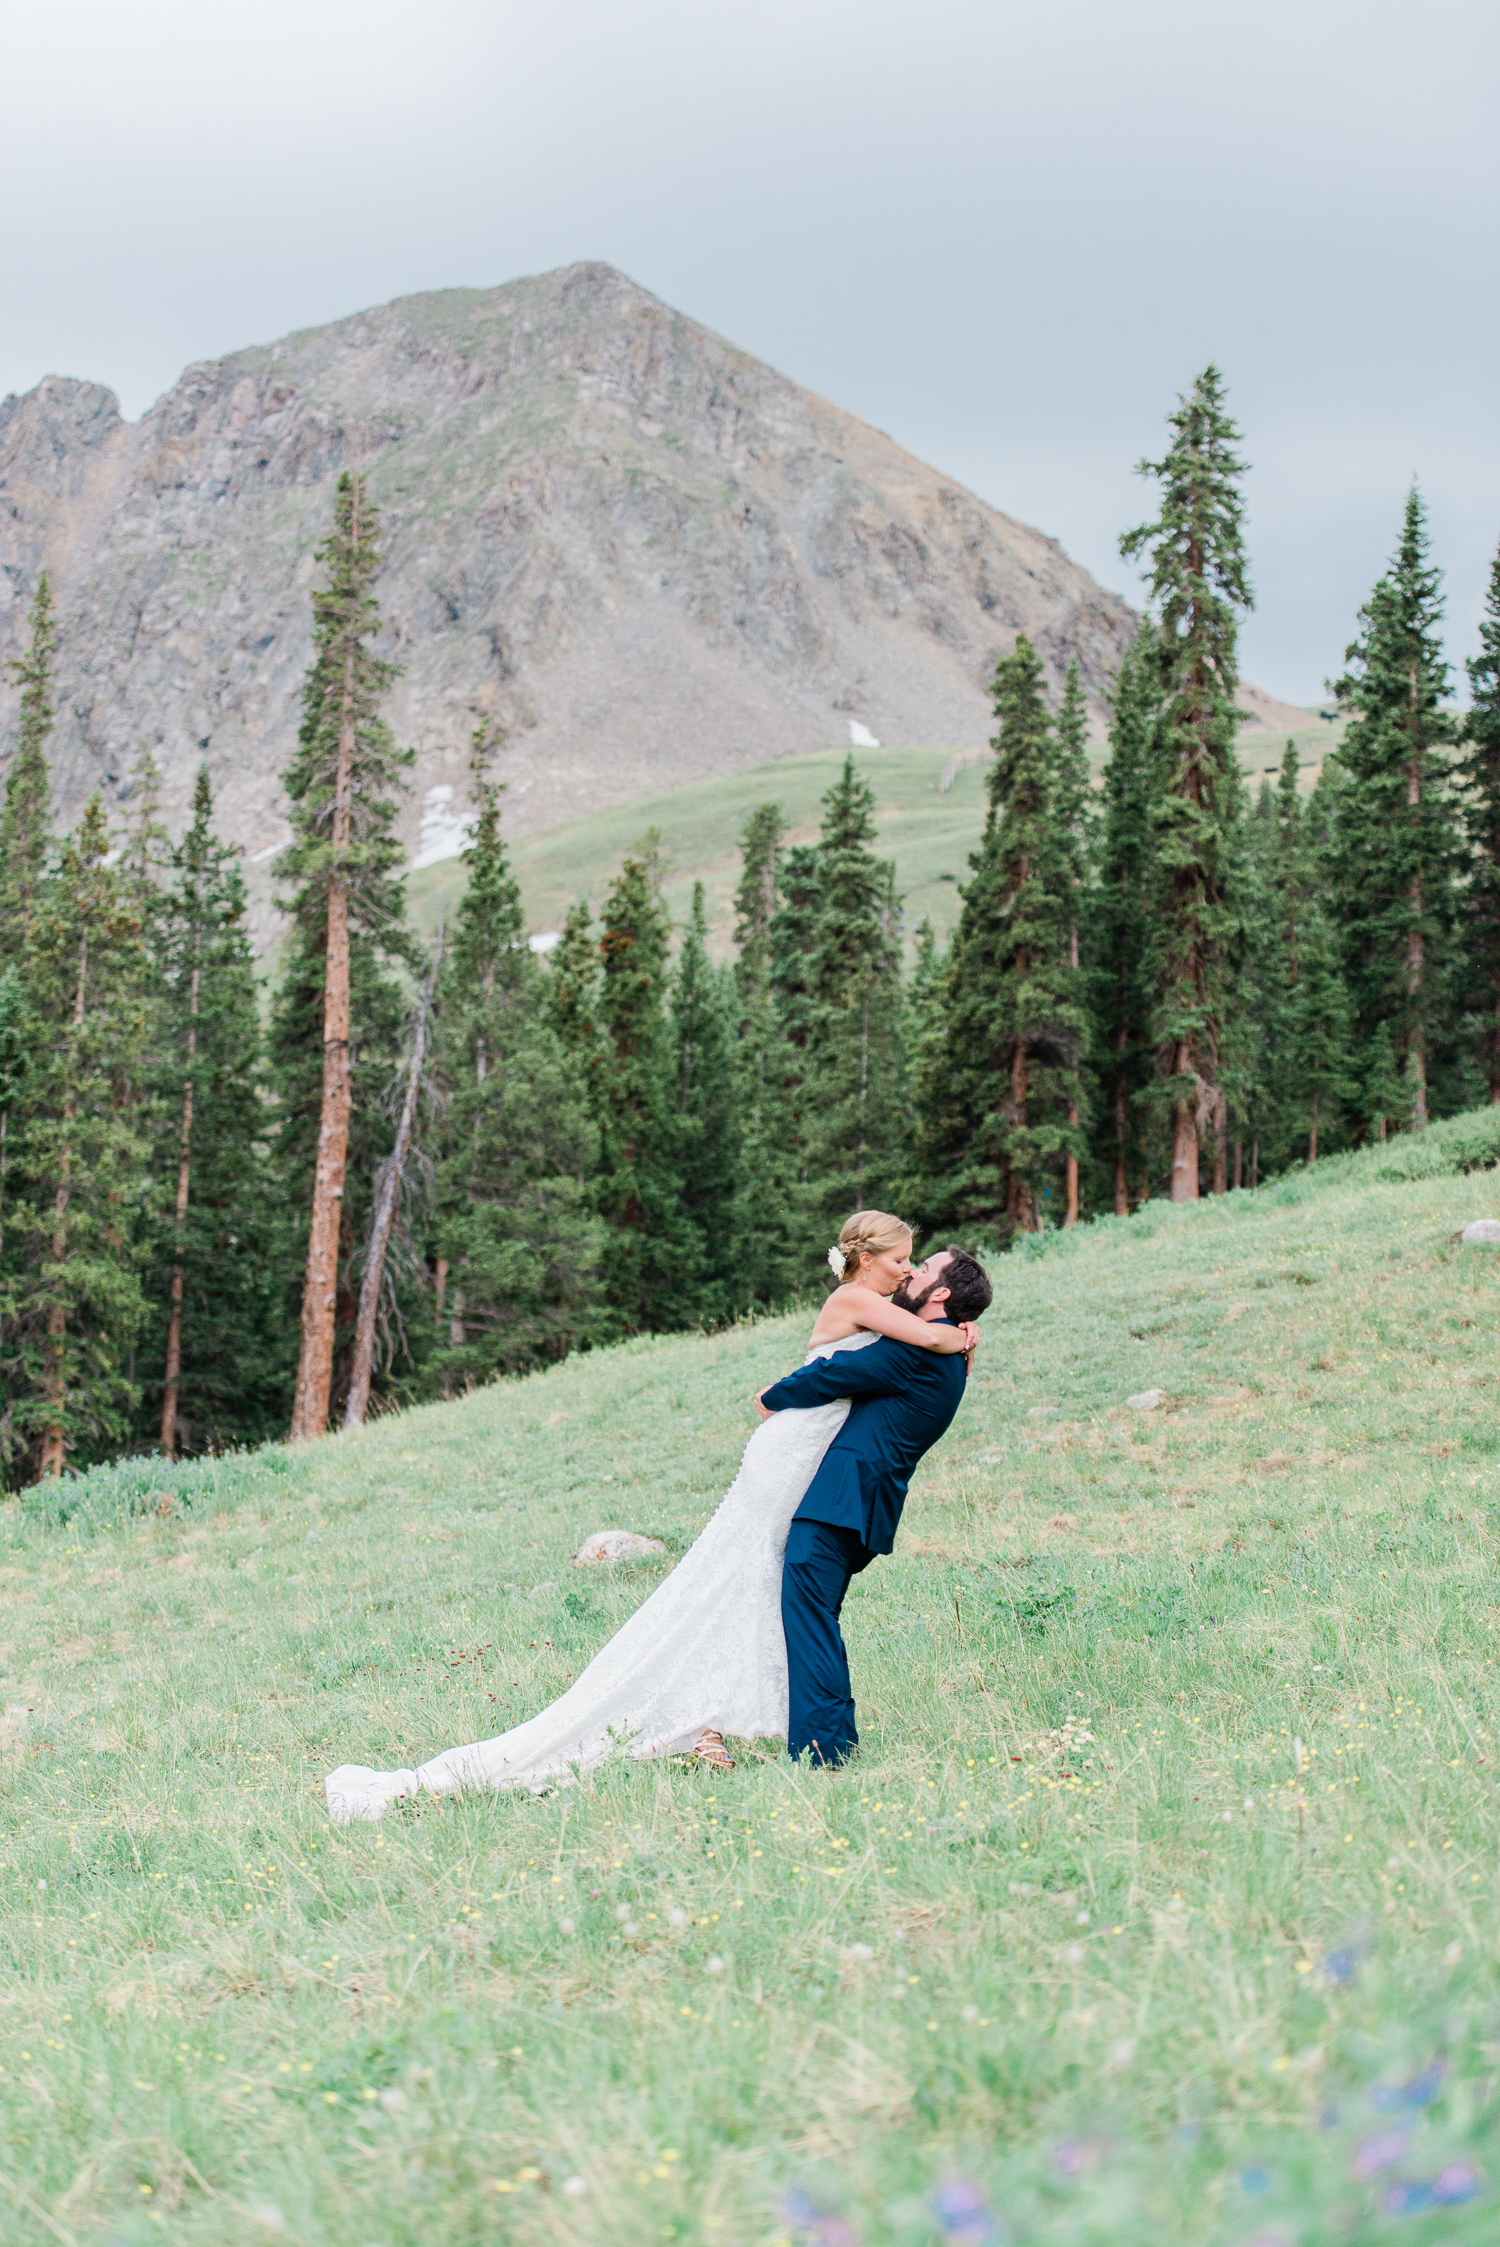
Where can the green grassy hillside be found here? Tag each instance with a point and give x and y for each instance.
(927, 828)
(1080, 1928)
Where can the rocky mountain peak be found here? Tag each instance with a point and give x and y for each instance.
(649, 556)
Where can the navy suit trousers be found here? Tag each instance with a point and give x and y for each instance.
(821, 1559)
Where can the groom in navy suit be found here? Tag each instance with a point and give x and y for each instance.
(902, 1400)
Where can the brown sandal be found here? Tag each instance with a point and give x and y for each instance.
(711, 1752)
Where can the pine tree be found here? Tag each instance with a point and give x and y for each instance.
(792, 937)
(1481, 774)
(212, 1354)
(707, 1140)
(646, 1244)
(854, 1089)
(25, 823)
(1253, 1056)
(343, 868)
(1199, 584)
(996, 1127)
(146, 851)
(1124, 886)
(1384, 1095)
(924, 1020)
(764, 1225)
(1321, 1079)
(516, 1236)
(1396, 847)
(573, 1002)
(71, 1304)
(1072, 838)
(13, 1039)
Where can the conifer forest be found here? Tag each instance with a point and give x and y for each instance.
(226, 1217)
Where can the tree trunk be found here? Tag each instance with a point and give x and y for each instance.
(1255, 1164)
(1184, 1141)
(1221, 1145)
(320, 1288)
(1122, 1137)
(1416, 1044)
(1416, 1049)
(54, 1451)
(439, 1288)
(1494, 1078)
(1070, 1170)
(1312, 1132)
(864, 1079)
(383, 1214)
(457, 1335)
(174, 1323)
(1239, 1164)
(1070, 1173)
(1018, 1191)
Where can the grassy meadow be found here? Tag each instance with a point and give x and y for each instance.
(1159, 1906)
(928, 829)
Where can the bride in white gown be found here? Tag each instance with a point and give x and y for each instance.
(704, 1655)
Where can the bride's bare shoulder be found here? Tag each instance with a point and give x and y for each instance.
(842, 1314)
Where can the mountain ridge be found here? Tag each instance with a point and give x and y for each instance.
(644, 553)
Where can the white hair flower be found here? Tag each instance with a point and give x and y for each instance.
(836, 1261)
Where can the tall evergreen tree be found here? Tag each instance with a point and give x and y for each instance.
(1124, 887)
(517, 1147)
(854, 1086)
(13, 1040)
(995, 1128)
(25, 822)
(764, 1229)
(573, 1004)
(1254, 1049)
(343, 871)
(1073, 841)
(708, 1136)
(1396, 845)
(212, 1354)
(1321, 1082)
(1199, 585)
(71, 1302)
(1481, 774)
(793, 934)
(647, 1246)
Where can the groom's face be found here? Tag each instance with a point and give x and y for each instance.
(914, 1292)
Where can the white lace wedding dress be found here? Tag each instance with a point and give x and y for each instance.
(705, 1650)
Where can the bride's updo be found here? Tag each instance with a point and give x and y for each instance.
(869, 1232)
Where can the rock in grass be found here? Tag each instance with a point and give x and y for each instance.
(1146, 1400)
(1483, 1232)
(614, 1544)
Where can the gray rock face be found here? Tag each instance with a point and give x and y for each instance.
(649, 556)
(1482, 1232)
(1147, 1400)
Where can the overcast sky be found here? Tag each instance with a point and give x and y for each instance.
(1008, 235)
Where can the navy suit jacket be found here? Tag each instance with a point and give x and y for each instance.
(904, 1399)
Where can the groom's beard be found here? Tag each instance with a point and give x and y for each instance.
(904, 1299)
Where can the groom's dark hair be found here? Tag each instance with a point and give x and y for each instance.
(969, 1290)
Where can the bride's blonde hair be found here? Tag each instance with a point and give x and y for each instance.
(870, 1232)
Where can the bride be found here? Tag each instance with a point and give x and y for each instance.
(704, 1655)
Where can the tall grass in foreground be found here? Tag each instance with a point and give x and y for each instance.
(1159, 1906)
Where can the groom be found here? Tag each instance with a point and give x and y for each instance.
(903, 1400)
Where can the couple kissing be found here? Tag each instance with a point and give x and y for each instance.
(742, 1639)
